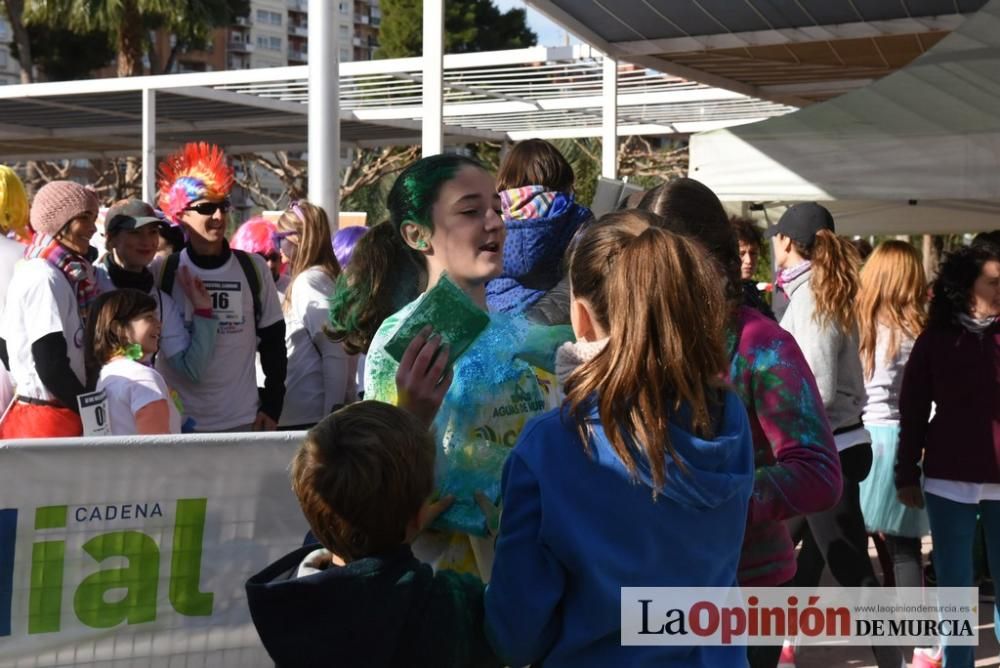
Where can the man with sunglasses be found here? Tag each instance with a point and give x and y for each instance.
(194, 186)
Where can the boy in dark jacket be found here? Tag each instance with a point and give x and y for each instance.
(364, 476)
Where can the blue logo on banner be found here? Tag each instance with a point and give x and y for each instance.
(8, 537)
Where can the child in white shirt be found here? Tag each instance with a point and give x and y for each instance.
(123, 334)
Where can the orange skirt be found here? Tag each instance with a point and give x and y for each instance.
(35, 421)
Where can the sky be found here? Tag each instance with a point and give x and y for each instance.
(549, 33)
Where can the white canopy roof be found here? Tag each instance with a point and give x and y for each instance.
(930, 131)
(868, 217)
(499, 95)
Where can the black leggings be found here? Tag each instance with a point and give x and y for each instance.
(837, 538)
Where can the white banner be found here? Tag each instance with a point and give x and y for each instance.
(136, 550)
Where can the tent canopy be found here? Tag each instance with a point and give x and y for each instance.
(792, 51)
(930, 131)
(891, 217)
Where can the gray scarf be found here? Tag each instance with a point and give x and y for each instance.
(572, 354)
(975, 325)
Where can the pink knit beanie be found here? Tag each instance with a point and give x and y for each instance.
(59, 202)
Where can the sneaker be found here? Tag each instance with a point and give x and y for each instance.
(787, 658)
(927, 658)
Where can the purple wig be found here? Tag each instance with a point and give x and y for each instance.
(344, 242)
(254, 236)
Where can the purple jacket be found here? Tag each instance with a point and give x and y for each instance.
(797, 467)
(960, 373)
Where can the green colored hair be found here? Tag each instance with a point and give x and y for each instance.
(385, 274)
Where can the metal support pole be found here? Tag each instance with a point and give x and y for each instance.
(324, 109)
(149, 146)
(433, 128)
(609, 124)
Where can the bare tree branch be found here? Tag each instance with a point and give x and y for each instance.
(366, 167)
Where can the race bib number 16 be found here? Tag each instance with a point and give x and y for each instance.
(227, 300)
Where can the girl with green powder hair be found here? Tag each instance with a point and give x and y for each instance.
(386, 272)
(445, 219)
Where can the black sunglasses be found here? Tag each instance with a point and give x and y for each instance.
(209, 208)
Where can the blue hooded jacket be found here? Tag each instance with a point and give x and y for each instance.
(534, 249)
(576, 527)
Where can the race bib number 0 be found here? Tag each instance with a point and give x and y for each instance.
(227, 300)
(94, 413)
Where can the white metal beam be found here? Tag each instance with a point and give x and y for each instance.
(228, 97)
(149, 146)
(631, 129)
(457, 110)
(324, 110)
(69, 106)
(159, 81)
(433, 78)
(609, 122)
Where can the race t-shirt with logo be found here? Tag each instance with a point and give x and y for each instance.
(226, 396)
(491, 397)
(40, 301)
(130, 387)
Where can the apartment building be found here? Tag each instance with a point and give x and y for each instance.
(10, 70)
(276, 33)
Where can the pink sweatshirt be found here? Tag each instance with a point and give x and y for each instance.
(797, 467)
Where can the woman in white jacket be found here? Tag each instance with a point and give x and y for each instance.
(318, 368)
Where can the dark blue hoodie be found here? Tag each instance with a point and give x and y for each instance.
(535, 246)
(377, 612)
(576, 528)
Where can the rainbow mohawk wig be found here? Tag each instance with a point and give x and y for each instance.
(197, 171)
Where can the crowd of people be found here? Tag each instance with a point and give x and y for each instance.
(623, 367)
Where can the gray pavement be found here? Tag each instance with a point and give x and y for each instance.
(861, 656)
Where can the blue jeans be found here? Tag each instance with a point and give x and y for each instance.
(953, 530)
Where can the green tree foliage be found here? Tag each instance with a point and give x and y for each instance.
(64, 55)
(126, 23)
(469, 26)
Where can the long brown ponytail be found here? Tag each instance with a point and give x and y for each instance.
(665, 311)
(835, 264)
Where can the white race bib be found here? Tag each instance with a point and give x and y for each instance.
(94, 413)
(227, 300)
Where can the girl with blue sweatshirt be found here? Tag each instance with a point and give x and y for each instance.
(643, 477)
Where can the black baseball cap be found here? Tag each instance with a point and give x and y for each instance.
(801, 222)
(130, 214)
